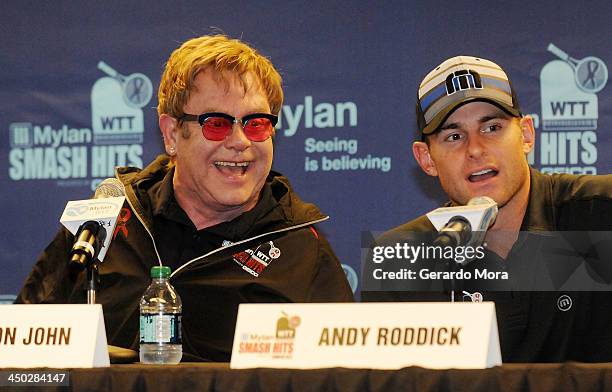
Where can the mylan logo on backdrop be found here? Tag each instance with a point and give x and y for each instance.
(329, 152)
(76, 156)
(569, 87)
(319, 115)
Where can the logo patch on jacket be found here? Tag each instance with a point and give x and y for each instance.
(122, 220)
(255, 261)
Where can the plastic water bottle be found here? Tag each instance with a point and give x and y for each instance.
(160, 320)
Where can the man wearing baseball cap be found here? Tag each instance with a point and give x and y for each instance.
(474, 138)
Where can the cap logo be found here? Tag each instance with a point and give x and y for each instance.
(462, 80)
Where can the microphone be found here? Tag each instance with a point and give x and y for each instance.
(467, 224)
(457, 231)
(91, 234)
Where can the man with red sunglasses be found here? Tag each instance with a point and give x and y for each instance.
(231, 229)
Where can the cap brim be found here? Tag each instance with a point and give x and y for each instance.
(439, 119)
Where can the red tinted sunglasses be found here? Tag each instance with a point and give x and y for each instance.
(257, 127)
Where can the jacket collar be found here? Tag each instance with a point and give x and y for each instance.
(278, 206)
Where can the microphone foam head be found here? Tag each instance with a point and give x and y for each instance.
(110, 187)
(491, 212)
(480, 200)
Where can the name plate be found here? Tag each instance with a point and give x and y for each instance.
(436, 335)
(58, 336)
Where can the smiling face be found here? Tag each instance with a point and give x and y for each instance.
(216, 181)
(480, 151)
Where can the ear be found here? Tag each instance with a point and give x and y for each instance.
(168, 126)
(422, 155)
(527, 133)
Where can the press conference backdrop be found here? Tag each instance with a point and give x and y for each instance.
(79, 80)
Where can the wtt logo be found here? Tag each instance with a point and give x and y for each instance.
(568, 141)
(116, 106)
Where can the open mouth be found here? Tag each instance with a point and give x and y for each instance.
(232, 168)
(482, 175)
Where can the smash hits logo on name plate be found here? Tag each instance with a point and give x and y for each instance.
(569, 87)
(278, 345)
(80, 156)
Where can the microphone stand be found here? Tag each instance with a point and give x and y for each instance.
(449, 266)
(85, 252)
(93, 279)
(452, 269)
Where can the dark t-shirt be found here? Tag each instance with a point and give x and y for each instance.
(538, 326)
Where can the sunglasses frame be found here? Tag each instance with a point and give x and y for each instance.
(201, 118)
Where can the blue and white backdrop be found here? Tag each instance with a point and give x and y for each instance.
(79, 80)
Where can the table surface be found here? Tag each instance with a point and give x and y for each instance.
(569, 376)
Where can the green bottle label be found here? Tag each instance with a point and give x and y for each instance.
(160, 328)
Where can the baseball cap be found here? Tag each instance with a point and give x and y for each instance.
(459, 80)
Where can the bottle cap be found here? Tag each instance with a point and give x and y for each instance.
(162, 271)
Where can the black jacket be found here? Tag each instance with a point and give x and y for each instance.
(211, 286)
(532, 327)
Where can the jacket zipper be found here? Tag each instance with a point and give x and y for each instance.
(146, 229)
(220, 248)
(182, 267)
